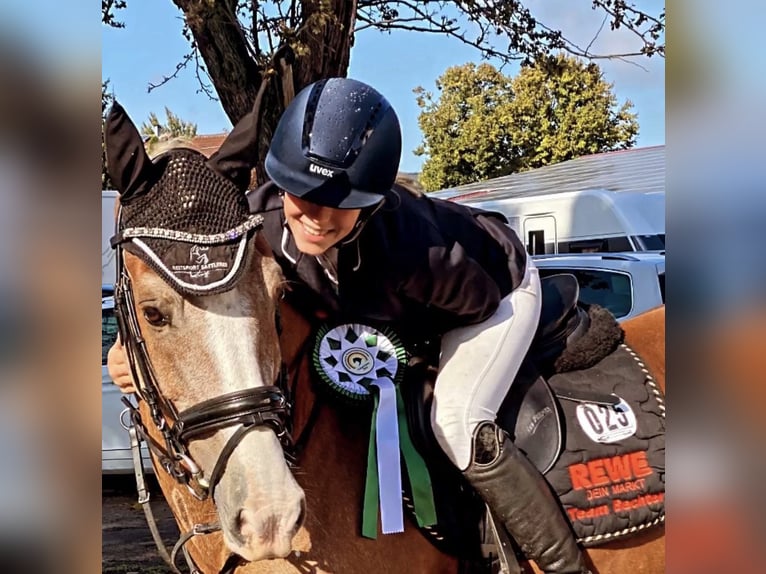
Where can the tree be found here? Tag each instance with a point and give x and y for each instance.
(237, 46)
(563, 108)
(466, 131)
(108, 10)
(175, 127)
(485, 124)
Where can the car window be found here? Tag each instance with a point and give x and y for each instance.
(651, 242)
(611, 290)
(603, 245)
(108, 332)
(661, 278)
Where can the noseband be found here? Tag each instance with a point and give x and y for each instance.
(247, 409)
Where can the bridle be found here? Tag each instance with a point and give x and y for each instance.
(246, 409)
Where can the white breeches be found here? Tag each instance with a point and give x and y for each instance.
(477, 366)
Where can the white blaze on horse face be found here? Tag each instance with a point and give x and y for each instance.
(232, 336)
(259, 502)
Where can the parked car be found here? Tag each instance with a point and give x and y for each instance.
(116, 457)
(627, 284)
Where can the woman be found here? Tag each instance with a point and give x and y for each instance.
(354, 245)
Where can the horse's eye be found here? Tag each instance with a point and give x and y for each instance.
(155, 317)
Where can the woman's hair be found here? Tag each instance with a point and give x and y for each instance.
(407, 184)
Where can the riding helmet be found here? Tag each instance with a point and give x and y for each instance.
(337, 144)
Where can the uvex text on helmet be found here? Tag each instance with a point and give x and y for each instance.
(337, 144)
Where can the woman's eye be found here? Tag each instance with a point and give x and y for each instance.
(155, 317)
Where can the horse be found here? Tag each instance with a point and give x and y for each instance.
(331, 473)
(208, 365)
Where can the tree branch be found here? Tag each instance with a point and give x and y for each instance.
(388, 18)
(627, 16)
(199, 71)
(526, 37)
(402, 24)
(108, 8)
(179, 66)
(596, 35)
(225, 51)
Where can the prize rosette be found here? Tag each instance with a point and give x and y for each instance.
(350, 357)
(362, 364)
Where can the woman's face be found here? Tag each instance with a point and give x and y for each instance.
(317, 228)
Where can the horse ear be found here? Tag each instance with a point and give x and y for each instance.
(238, 153)
(127, 162)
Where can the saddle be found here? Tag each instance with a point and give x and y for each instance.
(577, 358)
(563, 342)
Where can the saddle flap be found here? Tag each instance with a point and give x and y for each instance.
(531, 414)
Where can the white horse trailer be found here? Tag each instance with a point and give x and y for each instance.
(609, 202)
(108, 269)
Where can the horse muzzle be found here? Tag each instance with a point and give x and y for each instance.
(268, 532)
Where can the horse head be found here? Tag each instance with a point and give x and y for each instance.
(197, 296)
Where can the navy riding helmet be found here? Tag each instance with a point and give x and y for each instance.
(337, 144)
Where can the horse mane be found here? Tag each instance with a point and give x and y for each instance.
(159, 147)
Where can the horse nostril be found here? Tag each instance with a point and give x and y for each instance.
(301, 516)
(240, 525)
(247, 527)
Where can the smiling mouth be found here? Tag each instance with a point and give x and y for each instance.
(313, 231)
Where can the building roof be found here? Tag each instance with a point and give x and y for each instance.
(208, 144)
(640, 170)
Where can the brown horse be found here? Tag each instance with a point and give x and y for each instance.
(208, 363)
(332, 465)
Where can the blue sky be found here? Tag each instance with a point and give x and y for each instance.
(151, 44)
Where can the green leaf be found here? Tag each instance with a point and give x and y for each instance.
(482, 124)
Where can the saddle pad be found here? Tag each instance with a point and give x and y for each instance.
(611, 476)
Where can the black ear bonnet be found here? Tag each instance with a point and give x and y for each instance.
(183, 214)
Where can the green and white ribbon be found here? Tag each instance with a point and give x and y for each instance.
(389, 466)
(364, 364)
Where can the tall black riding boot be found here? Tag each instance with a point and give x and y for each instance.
(522, 500)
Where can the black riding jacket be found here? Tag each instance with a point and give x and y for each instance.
(422, 266)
